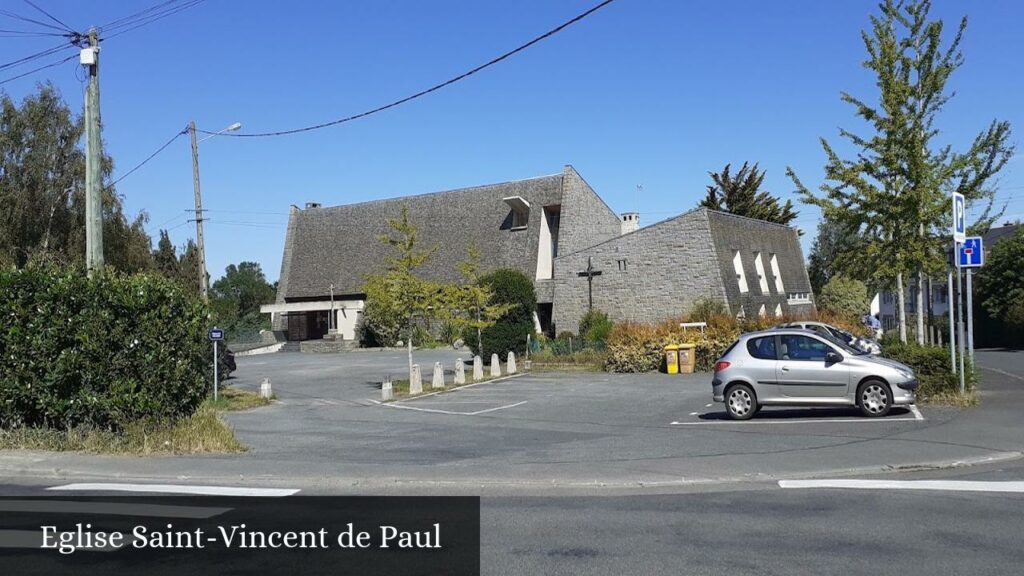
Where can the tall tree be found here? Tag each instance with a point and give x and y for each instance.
(245, 286)
(822, 263)
(741, 194)
(894, 192)
(472, 305)
(42, 176)
(399, 292)
(165, 257)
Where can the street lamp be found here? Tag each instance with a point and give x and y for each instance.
(203, 288)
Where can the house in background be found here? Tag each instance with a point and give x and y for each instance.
(553, 229)
(937, 298)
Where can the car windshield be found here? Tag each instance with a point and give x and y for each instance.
(842, 345)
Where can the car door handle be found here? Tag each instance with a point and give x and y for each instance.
(784, 368)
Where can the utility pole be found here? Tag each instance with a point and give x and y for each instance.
(199, 212)
(90, 57)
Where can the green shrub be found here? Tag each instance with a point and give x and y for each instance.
(377, 328)
(566, 335)
(102, 352)
(510, 331)
(706, 309)
(931, 365)
(595, 326)
(844, 297)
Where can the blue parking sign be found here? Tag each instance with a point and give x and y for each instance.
(216, 334)
(971, 253)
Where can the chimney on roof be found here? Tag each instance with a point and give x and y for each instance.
(312, 205)
(630, 222)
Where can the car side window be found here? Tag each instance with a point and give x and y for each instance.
(762, 348)
(797, 347)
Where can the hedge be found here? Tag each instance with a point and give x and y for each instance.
(931, 365)
(634, 347)
(101, 352)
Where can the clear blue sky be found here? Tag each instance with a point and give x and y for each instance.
(645, 92)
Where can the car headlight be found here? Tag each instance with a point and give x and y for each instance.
(906, 374)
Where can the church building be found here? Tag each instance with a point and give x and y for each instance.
(557, 231)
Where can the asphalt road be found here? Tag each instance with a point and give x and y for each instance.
(753, 530)
(737, 524)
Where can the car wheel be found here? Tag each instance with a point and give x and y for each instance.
(740, 402)
(874, 398)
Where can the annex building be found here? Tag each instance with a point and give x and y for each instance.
(556, 230)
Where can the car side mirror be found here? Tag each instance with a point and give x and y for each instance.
(833, 357)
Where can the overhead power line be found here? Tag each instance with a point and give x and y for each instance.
(148, 158)
(10, 14)
(34, 70)
(433, 88)
(50, 16)
(158, 12)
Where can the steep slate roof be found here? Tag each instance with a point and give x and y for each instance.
(341, 245)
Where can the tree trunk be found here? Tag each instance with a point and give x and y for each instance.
(901, 308)
(408, 344)
(479, 334)
(920, 307)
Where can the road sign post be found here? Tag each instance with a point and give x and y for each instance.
(952, 336)
(959, 230)
(216, 335)
(970, 256)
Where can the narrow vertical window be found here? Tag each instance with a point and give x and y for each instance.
(762, 280)
(774, 262)
(741, 278)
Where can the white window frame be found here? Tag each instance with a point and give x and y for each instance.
(762, 280)
(798, 297)
(774, 263)
(741, 276)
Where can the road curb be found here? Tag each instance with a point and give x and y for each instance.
(504, 486)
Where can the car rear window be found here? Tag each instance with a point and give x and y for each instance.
(763, 347)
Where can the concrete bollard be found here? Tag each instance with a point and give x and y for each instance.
(438, 381)
(265, 389)
(510, 366)
(527, 364)
(460, 372)
(387, 393)
(495, 366)
(415, 381)
(478, 369)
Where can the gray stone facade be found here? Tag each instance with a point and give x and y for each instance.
(654, 273)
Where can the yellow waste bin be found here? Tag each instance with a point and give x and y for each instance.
(672, 359)
(687, 354)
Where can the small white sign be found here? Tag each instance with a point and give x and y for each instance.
(959, 218)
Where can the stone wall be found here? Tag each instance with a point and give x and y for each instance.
(654, 273)
(585, 220)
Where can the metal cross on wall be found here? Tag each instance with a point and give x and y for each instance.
(589, 273)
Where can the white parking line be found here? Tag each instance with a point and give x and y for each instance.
(947, 485)
(178, 489)
(795, 421)
(449, 412)
(917, 413)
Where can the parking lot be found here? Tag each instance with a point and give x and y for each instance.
(573, 428)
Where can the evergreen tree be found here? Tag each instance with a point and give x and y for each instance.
(472, 306)
(894, 193)
(741, 194)
(822, 261)
(399, 292)
(165, 257)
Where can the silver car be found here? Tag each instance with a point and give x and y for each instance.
(792, 366)
(866, 344)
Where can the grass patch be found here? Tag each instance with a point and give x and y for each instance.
(204, 432)
(952, 399)
(400, 388)
(233, 399)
